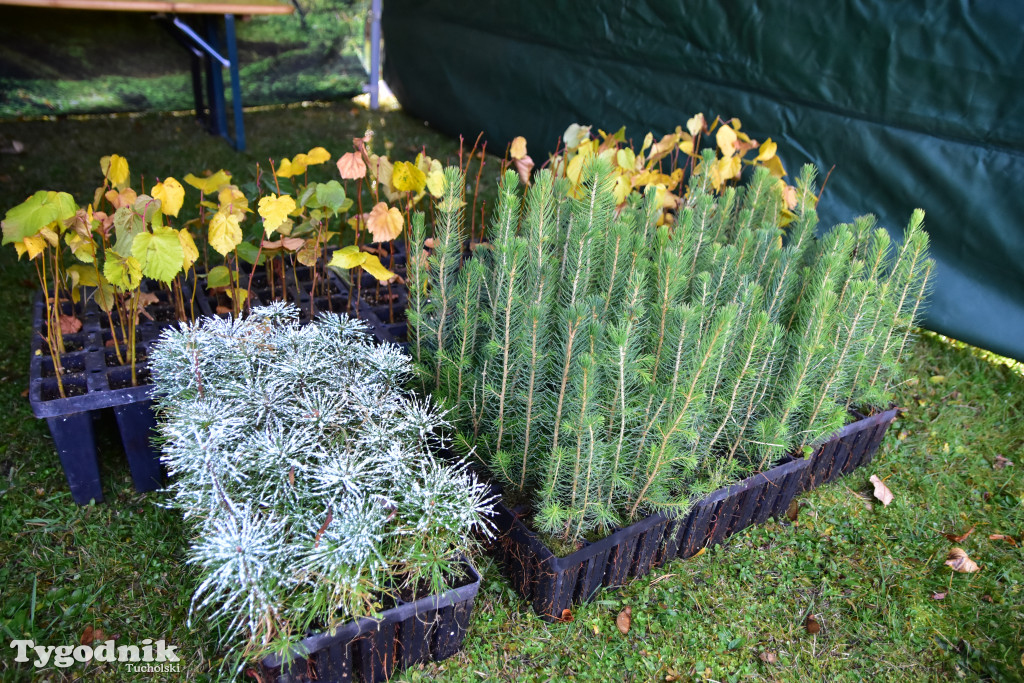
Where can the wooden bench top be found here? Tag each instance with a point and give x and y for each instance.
(169, 6)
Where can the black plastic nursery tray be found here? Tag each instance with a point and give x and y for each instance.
(93, 381)
(372, 650)
(554, 584)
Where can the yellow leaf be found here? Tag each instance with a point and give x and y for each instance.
(122, 198)
(50, 236)
(407, 178)
(767, 150)
(774, 165)
(232, 201)
(695, 124)
(188, 249)
(373, 266)
(347, 258)
(236, 294)
(171, 195)
(729, 167)
(287, 168)
(648, 141)
(661, 148)
(664, 198)
(621, 189)
(317, 155)
(435, 179)
(575, 135)
(726, 139)
(34, 246)
(84, 248)
(351, 166)
(626, 159)
(225, 234)
(209, 184)
(274, 211)
(423, 162)
(575, 168)
(686, 147)
(115, 169)
(384, 224)
(518, 148)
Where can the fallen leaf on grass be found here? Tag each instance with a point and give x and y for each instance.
(959, 538)
(987, 598)
(882, 491)
(623, 621)
(1001, 462)
(812, 625)
(69, 324)
(793, 511)
(959, 562)
(938, 596)
(768, 657)
(566, 616)
(92, 635)
(1003, 537)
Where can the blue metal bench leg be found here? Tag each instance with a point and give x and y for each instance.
(215, 83)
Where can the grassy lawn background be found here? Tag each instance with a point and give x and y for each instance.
(870, 575)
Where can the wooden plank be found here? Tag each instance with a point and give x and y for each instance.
(169, 6)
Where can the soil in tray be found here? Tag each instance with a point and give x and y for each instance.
(74, 385)
(381, 296)
(72, 343)
(321, 287)
(122, 378)
(72, 363)
(110, 357)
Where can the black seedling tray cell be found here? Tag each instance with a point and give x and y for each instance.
(372, 650)
(554, 584)
(95, 381)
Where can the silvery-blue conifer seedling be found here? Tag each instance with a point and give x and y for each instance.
(310, 480)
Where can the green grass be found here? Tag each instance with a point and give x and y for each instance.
(866, 572)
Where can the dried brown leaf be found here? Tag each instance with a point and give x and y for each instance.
(812, 625)
(1001, 462)
(793, 511)
(938, 596)
(1003, 537)
(566, 616)
(523, 167)
(768, 657)
(624, 620)
(92, 635)
(882, 491)
(958, 561)
(69, 324)
(959, 538)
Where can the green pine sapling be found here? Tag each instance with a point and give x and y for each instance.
(606, 367)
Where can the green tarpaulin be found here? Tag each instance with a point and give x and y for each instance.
(916, 104)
